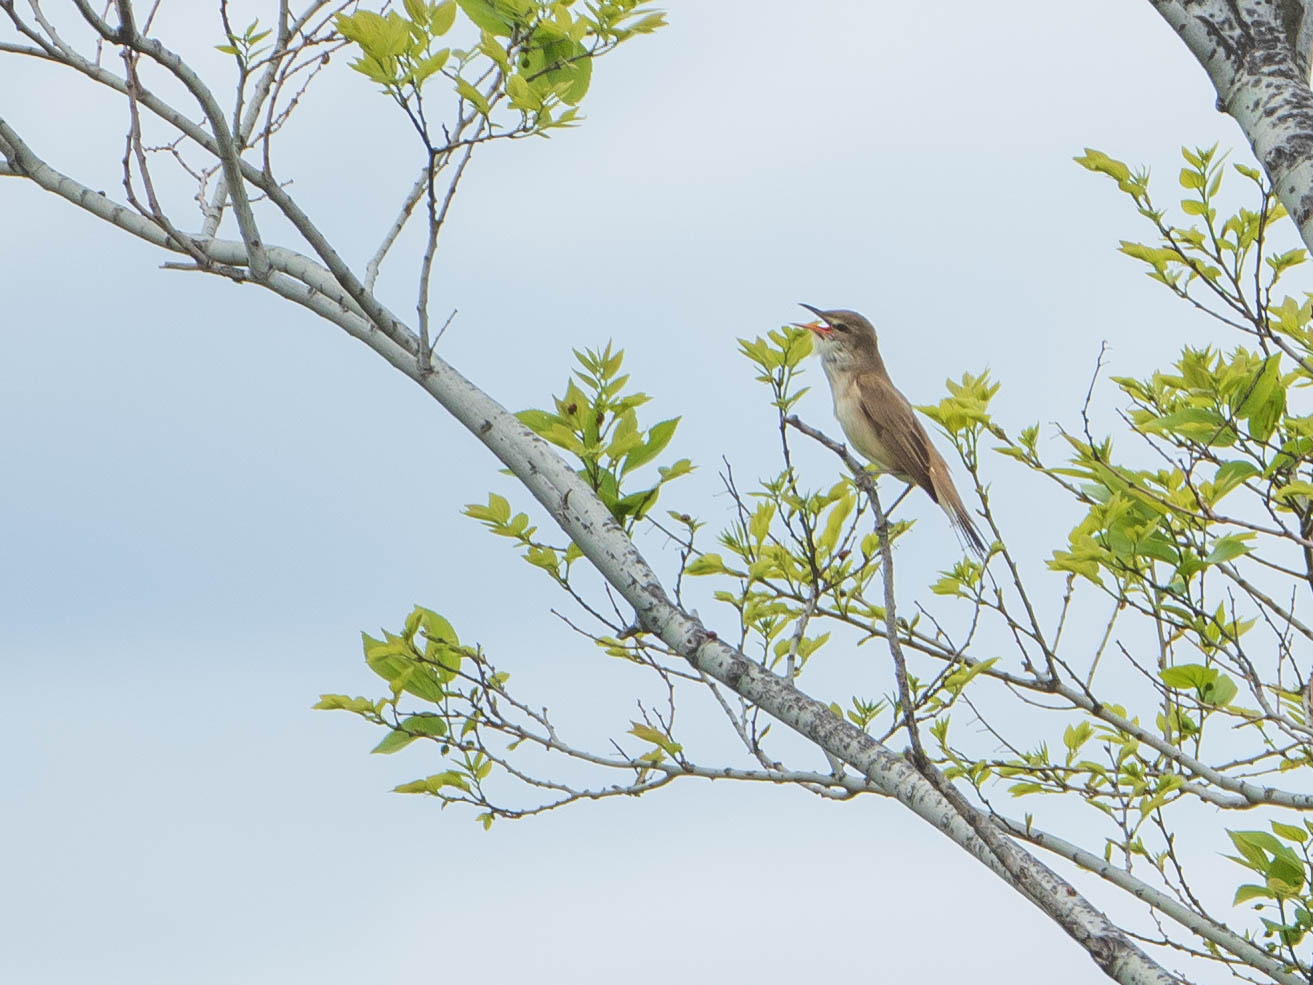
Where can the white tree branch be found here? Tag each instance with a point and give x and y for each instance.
(1207, 929)
(228, 152)
(399, 223)
(263, 86)
(1256, 52)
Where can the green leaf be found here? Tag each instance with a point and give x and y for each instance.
(434, 626)
(707, 564)
(1230, 547)
(392, 40)
(442, 17)
(656, 737)
(384, 73)
(542, 557)
(759, 523)
(363, 27)
(658, 437)
(499, 507)
(496, 50)
(468, 91)
(1230, 475)
(624, 438)
(949, 584)
(963, 675)
(839, 513)
(1201, 424)
(1290, 832)
(429, 66)
(1075, 736)
(560, 65)
(538, 421)
(1220, 693)
(1253, 845)
(392, 742)
(342, 702)
(1022, 789)
(1187, 676)
(1298, 488)
(396, 661)
(434, 783)
(486, 16)
(1157, 257)
(1098, 161)
(1282, 261)
(668, 472)
(523, 97)
(635, 504)
(648, 23)
(425, 723)
(1246, 893)
(1264, 400)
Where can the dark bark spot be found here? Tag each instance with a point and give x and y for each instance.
(1270, 84)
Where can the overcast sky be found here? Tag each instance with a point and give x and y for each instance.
(208, 494)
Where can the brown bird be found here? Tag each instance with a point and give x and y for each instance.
(877, 419)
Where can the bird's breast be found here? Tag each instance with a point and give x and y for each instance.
(857, 426)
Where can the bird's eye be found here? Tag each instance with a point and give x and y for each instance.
(839, 327)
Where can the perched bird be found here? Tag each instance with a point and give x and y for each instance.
(877, 419)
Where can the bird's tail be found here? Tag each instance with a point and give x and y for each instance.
(947, 497)
(964, 525)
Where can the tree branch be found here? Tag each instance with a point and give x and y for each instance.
(1260, 72)
(228, 151)
(1207, 929)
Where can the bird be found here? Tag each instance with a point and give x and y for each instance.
(877, 419)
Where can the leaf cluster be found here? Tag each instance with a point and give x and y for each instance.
(1281, 859)
(427, 663)
(596, 422)
(537, 56)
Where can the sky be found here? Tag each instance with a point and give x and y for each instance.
(208, 494)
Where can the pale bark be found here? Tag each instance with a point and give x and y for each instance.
(1256, 52)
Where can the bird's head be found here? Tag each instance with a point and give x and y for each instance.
(842, 337)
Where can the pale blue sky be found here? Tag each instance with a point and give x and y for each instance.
(209, 494)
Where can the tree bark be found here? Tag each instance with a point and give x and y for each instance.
(1256, 52)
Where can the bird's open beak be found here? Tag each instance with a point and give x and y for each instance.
(821, 327)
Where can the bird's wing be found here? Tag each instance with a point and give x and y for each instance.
(904, 440)
(898, 430)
